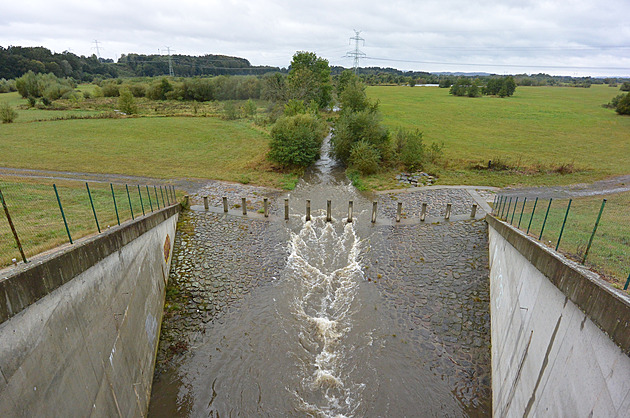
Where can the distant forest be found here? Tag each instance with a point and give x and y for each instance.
(15, 61)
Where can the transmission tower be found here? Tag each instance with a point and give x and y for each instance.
(98, 50)
(170, 62)
(356, 54)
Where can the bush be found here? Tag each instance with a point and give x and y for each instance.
(249, 108)
(126, 102)
(296, 140)
(625, 86)
(623, 105)
(364, 158)
(410, 148)
(110, 88)
(230, 112)
(7, 113)
(294, 107)
(352, 127)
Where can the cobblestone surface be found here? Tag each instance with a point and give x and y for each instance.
(435, 280)
(254, 195)
(216, 261)
(436, 202)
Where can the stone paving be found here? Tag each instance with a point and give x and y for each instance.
(254, 195)
(435, 280)
(436, 200)
(217, 260)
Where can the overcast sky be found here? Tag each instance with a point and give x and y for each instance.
(569, 37)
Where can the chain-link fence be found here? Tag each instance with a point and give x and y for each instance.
(38, 215)
(594, 231)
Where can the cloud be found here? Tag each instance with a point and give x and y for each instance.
(573, 37)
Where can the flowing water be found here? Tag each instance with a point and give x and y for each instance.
(316, 342)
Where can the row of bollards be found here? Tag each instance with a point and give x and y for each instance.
(423, 213)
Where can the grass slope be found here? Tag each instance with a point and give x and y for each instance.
(166, 147)
(538, 125)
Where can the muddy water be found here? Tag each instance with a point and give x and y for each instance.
(318, 341)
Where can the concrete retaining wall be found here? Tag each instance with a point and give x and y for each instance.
(560, 335)
(80, 328)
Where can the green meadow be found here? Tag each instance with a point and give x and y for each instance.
(543, 135)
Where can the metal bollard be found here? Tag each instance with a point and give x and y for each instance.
(423, 214)
(308, 210)
(448, 211)
(398, 211)
(350, 204)
(266, 207)
(374, 204)
(225, 207)
(205, 203)
(244, 202)
(286, 209)
(473, 211)
(328, 216)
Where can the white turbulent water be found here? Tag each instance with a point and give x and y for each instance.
(325, 273)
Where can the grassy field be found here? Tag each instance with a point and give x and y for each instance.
(535, 131)
(610, 250)
(37, 219)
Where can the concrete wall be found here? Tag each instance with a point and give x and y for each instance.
(559, 333)
(80, 328)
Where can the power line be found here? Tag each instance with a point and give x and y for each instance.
(356, 54)
(498, 65)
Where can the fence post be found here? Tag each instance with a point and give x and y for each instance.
(308, 210)
(266, 207)
(545, 221)
(205, 203)
(423, 214)
(328, 211)
(448, 211)
(473, 211)
(93, 210)
(162, 193)
(141, 202)
(398, 211)
(63, 215)
(508, 210)
(532, 217)
(149, 194)
(115, 206)
(156, 196)
(129, 198)
(495, 211)
(15, 235)
(514, 211)
(350, 208)
(494, 202)
(590, 241)
(374, 205)
(286, 209)
(225, 204)
(563, 223)
(244, 203)
(521, 217)
(627, 283)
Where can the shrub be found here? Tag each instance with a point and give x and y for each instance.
(623, 105)
(7, 113)
(364, 158)
(410, 148)
(110, 88)
(294, 107)
(625, 86)
(296, 140)
(126, 102)
(138, 89)
(249, 108)
(352, 127)
(230, 112)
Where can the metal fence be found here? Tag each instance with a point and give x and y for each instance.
(590, 230)
(40, 215)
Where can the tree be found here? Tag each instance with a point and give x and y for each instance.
(296, 140)
(625, 86)
(309, 79)
(126, 102)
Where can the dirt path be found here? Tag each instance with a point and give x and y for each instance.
(609, 186)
